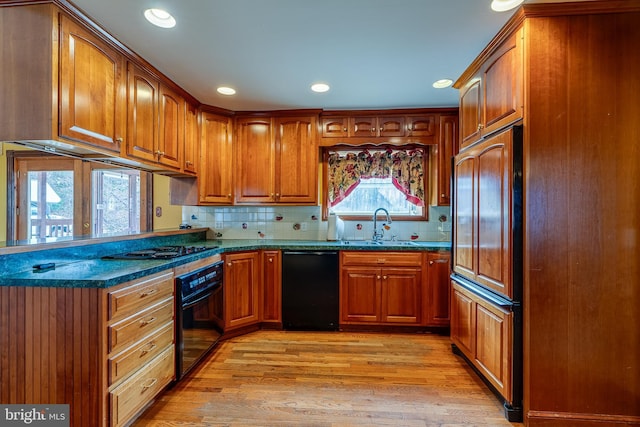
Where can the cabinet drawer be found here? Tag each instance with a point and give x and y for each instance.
(135, 357)
(130, 299)
(399, 259)
(133, 394)
(131, 329)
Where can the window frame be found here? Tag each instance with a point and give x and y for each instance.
(82, 170)
(325, 179)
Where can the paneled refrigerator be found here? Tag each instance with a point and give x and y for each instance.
(486, 303)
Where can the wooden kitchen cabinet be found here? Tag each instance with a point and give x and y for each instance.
(191, 154)
(484, 184)
(439, 294)
(276, 160)
(241, 290)
(171, 112)
(215, 178)
(92, 88)
(377, 126)
(482, 331)
(335, 127)
(383, 288)
(272, 288)
(142, 114)
(492, 97)
(440, 159)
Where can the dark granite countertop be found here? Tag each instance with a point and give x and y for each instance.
(99, 273)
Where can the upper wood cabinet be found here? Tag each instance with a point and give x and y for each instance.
(92, 88)
(171, 128)
(142, 114)
(482, 216)
(379, 126)
(492, 97)
(276, 160)
(441, 162)
(191, 156)
(215, 177)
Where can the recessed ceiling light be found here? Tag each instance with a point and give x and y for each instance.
(504, 5)
(320, 87)
(160, 18)
(442, 83)
(224, 90)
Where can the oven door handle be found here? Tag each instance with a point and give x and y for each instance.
(196, 301)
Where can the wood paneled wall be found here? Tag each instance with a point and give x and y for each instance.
(51, 349)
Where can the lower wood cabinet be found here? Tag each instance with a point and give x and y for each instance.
(483, 332)
(437, 306)
(381, 288)
(140, 345)
(271, 288)
(241, 290)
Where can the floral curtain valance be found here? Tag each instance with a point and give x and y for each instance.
(405, 167)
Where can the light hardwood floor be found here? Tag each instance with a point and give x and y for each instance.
(323, 379)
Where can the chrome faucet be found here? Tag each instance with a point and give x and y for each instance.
(377, 236)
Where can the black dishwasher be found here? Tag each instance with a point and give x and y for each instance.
(310, 290)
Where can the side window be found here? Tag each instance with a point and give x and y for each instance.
(52, 193)
(362, 179)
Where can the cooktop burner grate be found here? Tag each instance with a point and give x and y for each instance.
(161, 252)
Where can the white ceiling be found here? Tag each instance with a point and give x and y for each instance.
(373, 53)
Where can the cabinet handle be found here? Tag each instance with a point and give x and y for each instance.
(188, 162)
(148, 292)
(149, 347)
(149, 384)
(119, 139)
(381, 260)
(145, 322)
(480, 126)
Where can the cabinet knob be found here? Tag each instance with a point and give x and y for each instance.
(442, 195)
(229, 263)
(344, 129)
(480, 126)
(430, 262)
(229, 195)
(384, 277)
(270, 259)
(277, 194)
(119, 139)
(380, 129)
(378, 277)
(188, 162)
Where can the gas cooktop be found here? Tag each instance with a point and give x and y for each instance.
(162, 252)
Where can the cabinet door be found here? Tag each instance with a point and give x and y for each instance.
(171, 128)
(493, 345)
(390, 126)
(462, 320)
(447, 143)
(255, 161)
(92, 88)
(363, 126)
(464, 177)
(215, 177)
(272, 287)
(142, 114)
(335, 127)
(470, 124)
(493, 186)
(439, 300)
(360, 294)
(296, 171)
(420, 126)
(401, 295)
(502, 77)
(241, 290)
(191, 140)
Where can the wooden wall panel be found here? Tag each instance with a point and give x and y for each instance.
(582, 276)
(53, 349)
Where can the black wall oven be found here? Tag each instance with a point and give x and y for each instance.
(199, 315)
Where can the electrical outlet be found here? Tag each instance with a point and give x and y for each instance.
(218, 225)
(303, 226)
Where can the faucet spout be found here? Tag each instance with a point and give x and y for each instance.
(378, 235)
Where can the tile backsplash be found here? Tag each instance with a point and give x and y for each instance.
(305, 223)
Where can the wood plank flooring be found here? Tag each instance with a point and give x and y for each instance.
(327, 379)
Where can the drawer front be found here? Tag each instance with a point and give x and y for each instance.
(132, 329)
(396, 259)
(133, 394)
(125, 363)
(130, 299)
